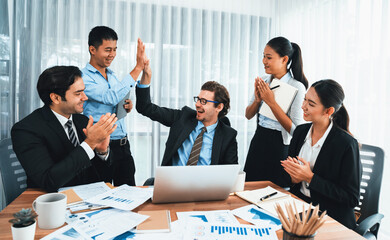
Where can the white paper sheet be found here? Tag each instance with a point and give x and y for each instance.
(257, 216)
(123, 197)
(64, 233)
(88, 190)
(105, 223)
(228, 232)
(212, 217)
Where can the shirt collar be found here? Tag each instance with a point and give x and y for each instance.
(209, 128)
(93, 69)
(321, 141)
(63, 120)
(285, 77)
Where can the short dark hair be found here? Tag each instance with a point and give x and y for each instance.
(56, 80)
(221, 95)
(100, 33)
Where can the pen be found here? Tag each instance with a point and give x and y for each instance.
(275, 87)
(268, 196)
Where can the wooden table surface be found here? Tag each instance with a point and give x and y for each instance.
(330, 230)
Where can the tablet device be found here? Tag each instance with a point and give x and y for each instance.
(120, 110)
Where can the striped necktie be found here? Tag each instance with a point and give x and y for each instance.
(72, 135)
(195, 151)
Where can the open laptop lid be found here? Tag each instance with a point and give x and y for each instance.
(194, 183)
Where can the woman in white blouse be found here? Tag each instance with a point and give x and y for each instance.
(324, 163)
(283, 61)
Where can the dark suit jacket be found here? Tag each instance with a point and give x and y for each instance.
(337, 173)
(182, 123)
(47, 155)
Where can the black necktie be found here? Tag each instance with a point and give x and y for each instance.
(195, 151)
(72, 135)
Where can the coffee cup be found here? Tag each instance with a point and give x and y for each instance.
(51, 209)
(240, 182)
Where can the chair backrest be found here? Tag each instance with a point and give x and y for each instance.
(372, 159)
(12, 173)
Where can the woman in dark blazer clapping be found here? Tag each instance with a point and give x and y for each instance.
(324, 162)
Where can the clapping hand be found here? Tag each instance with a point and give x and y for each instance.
(298, 169)
(98, 134)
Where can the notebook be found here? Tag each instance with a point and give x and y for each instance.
(254, 196)
(284, 96)
(158, 221)
(120, 110)
(194, 183)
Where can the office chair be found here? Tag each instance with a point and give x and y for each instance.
(372, 159)
(12, 173)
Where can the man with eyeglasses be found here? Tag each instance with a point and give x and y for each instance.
(196, 137)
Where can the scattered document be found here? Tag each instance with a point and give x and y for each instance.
(212, 217)
(88, 190)
(228, 232)
(258, 216)
(105, 223)
(65, 233)
(123, 197)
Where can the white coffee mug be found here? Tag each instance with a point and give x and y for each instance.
(50, 208)
(240, 182)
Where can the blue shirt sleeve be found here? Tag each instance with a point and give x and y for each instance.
(109, 92)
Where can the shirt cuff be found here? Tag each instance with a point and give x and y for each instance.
(139, 85)
(103, 157)
(292, 128)
(88, 150)
(129, 78)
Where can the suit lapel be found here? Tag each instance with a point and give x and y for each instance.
(325, 149)
(79, 127)
(217, 144)
(55, 125)
(185, 133)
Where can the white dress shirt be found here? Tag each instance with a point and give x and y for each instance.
(63, 120)
(309, 152)
(295, 113)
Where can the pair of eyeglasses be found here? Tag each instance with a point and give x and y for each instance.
(203, 101)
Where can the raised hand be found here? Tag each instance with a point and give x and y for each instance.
(100, 131)
(147, 74)
(141, 55)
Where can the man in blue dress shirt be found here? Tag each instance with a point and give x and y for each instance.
(105, 91)
(217, 143)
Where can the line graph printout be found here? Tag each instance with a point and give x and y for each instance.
(257, 216)
(228, 232)
(123, 197)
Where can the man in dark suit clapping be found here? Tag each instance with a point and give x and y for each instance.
(55, 144)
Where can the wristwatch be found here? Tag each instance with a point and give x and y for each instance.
(103, 153)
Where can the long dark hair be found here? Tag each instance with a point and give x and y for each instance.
(284, 47)
(331, 94)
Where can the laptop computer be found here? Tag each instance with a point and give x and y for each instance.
(194, 183)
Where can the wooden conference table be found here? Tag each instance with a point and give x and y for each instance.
(330, 230)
